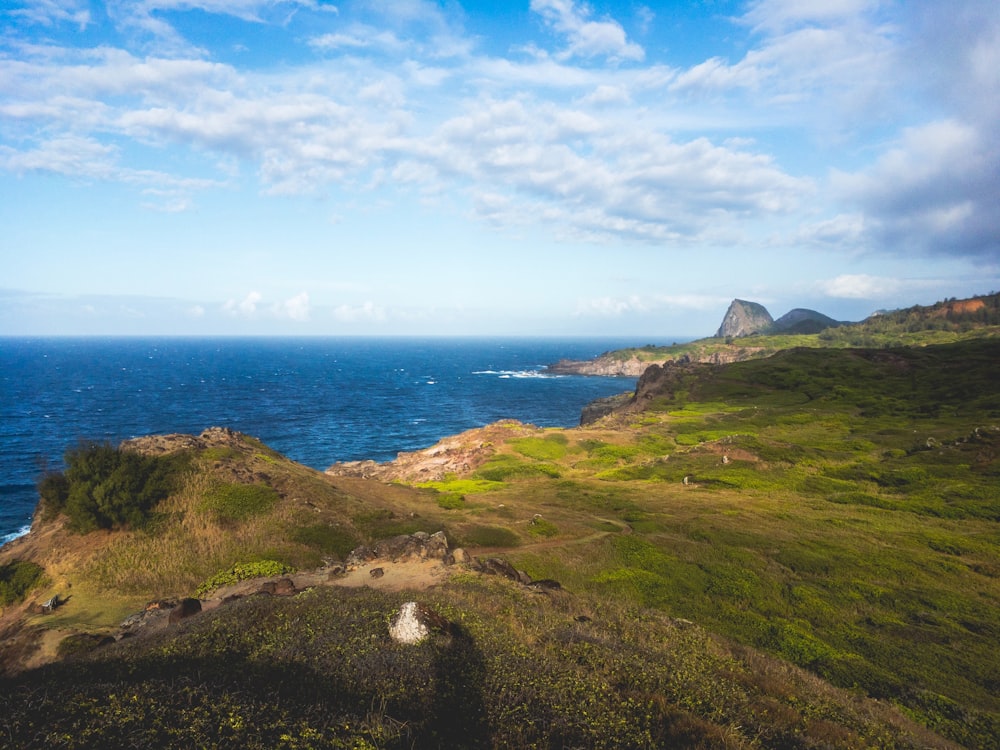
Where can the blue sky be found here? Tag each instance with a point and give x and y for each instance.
(536, 167)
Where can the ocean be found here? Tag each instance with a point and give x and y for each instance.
(316, 400)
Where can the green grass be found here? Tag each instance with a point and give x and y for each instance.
(243, 572)
(17, 578)
(517, 671)
(238, 502)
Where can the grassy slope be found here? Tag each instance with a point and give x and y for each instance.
(853, 529)
(840, 512)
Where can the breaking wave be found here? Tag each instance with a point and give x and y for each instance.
(518, 373)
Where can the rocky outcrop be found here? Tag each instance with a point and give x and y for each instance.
(607, 365)
(602, 407)
(155, 445)
(186, 608)
(744, 319)
(457, 454)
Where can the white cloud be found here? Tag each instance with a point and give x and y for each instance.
(666, 304)
(777, 16)
(606, 95)
(52, 12)
(586, 38)
(295, 308)
(609, 307)
(366, 312)
(859, 286)
(245, 308)
(70, 155)
(934, 191)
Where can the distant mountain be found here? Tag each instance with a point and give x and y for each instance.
(801, 320)
(748, 332)
(744, 319)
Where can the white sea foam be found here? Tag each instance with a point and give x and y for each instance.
(504, 374)
(12, 536)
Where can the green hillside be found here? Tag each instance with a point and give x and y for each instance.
(944, 322)
(799, 551)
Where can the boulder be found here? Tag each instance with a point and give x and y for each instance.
(414, 622)
(359, 556)
(186, 608)
(417, 546)
(403, 547)
(499, 567)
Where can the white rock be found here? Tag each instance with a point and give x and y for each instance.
(406, 626)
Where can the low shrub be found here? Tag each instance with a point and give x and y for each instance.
(17, 578)
(539, 526)
(243, 572)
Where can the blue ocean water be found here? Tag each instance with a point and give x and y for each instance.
(315, 400)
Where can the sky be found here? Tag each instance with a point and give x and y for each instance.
(527, 167)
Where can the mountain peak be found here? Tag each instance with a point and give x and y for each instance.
(744, 318)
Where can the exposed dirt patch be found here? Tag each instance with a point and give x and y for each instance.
(458, 454)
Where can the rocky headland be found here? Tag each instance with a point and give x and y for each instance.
(742, 322)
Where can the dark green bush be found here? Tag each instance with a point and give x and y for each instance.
(17, 579)
(105, 487)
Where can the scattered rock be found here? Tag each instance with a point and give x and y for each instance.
(499, 567)
(186, 608)
(359, 556)
(376, 572)
(281, 587)
(545, 584)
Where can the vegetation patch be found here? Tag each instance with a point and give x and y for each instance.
(551, 447)
(452, 491)
(542, 527)
(382, 524)
(106, 487)
(489, 536)
(243, 572)
(505, 467)
(17, 578)
(326, 538)
(238, 502)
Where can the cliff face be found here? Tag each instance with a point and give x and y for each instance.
(605, 365)
(744, 318)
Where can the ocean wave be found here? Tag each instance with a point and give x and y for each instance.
(518, 373)
(14, 535)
